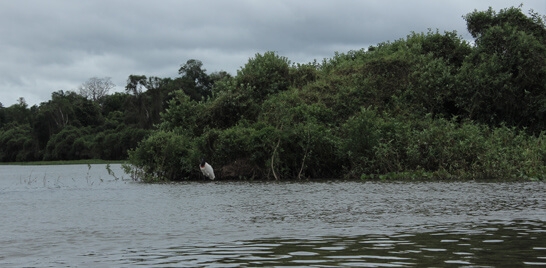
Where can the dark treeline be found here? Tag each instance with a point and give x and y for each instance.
(92, 124)
(428, 105)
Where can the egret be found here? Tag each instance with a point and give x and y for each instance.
(207, 169)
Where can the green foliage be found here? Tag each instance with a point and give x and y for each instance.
(448, 47)
(504, 78)
(443, 149)
(17, 143)
(67, 144)
(163, 156)
(231, 105)
(242, 151)
(194, 81)
(147, 98)
(266, 74)
(402, 109)
(18, 113)
(427, 106)
(480, 22)
(307, 144)
(182, 115)
(113, 144)
(303, 74)
(70, 127)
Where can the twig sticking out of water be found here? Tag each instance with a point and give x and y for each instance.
(111, 172)
(31, 180)
(88, 170)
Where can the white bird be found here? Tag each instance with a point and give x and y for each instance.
(207, 169)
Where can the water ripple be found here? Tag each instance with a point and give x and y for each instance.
(90, 220)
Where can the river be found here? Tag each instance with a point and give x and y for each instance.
(81, 216)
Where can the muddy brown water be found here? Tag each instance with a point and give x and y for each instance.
(73, 216)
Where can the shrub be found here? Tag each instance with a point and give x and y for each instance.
(163, 156)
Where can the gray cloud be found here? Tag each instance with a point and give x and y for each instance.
(57, 45)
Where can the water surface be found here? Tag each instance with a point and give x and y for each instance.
(76, 216)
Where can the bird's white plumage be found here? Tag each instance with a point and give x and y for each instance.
(207, 170)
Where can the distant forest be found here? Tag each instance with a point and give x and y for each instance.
(430, 105)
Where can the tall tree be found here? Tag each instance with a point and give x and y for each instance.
(17, 113)
(265, 74)
(504, 78)
(96, 88)
(135, 83)
(194, 80)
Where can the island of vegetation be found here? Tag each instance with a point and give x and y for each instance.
(428, 106)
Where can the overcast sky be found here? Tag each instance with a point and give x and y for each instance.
(46, 46)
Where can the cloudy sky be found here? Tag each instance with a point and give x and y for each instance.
(46, 46)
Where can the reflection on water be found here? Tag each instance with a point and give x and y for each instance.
(507, 244)
(74, 216)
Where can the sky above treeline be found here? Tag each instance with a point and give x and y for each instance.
(47, 46)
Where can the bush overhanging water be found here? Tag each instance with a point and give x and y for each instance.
(430, 105)
(427, 106)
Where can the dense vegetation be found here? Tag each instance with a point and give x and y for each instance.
(92, 124)
(430, 105)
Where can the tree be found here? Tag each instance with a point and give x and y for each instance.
(135, 83)
(480, 22)
(17, 113)
(266, 74)
(63, 145)
(503, 80)
(95, 88)
(194, 80)
(2, 115)
(146, 99)
(17, 143)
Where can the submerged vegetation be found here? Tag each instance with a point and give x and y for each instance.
(431, 105)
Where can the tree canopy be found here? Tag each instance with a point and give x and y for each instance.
(95, 88)
(430, 105)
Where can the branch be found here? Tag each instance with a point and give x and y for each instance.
(305, 154)
(302, 164)
(273, 159)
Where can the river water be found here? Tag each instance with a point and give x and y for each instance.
(81, 216)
